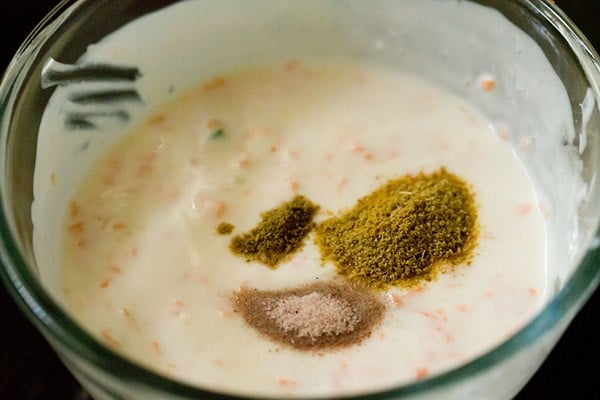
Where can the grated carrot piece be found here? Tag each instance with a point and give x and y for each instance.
(342, 184)
(221, 208)
(422, 373)
(396, 299)
(76, 227)
(110, 339)
(74, 209)
(156, 347)
(215, 83)
(286, 382)
(157, 120)
(294, 185)
(213, 124)
(523, 209)
(292, 64)
(488, 84)
(115, 269)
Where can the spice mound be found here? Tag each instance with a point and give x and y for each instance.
(319, 316)
(403, 230)
(278, 235)
(225, 228)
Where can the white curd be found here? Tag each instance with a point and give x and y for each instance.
(145, 272)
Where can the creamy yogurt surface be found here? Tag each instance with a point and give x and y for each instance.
(145, 271)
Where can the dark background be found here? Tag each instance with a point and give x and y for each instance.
(29, 370)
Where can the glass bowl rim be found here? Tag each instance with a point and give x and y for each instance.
(54, 323)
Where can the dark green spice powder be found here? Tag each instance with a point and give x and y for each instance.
(279, 233)
(225, 228)
(402, 230)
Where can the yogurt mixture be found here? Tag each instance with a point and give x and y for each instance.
(146, 272)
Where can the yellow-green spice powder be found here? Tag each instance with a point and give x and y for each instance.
(403, 230)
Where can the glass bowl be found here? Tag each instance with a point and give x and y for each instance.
(367, 32)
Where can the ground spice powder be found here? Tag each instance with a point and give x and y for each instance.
(225, 228)
(279, 234)
(403, 230)
(319, 316)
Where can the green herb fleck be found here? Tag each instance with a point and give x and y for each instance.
(217, 134)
